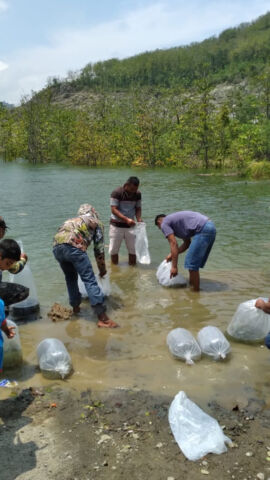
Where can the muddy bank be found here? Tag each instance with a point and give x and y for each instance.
(60, 433)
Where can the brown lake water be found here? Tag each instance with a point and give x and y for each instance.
(36, 200)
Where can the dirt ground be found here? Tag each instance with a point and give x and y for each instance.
(58, 433)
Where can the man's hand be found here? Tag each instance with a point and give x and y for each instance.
(102, 273)
(130, 222)
(169, 258)
(174, 272)
(9, 331)
(23, 255)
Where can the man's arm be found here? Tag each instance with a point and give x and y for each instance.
(174, 254)
(98, 240)
(262, 305)
(138, 214)
(122, 217)
(17, 267)
(180, 249)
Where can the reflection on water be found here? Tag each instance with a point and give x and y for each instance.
(136, 355)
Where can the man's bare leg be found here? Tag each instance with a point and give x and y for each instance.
(132, 259)
(105, 322)
(114, 259)
(194, 280)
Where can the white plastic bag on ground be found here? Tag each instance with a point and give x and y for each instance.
(141, 244)
(103, 283)
(183, 345)
(53, 358)
(249, 322)
(195, 432)
(163, 276)
(12, 348)
(213, 342)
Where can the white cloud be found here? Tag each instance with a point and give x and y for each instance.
(3, 6)
(3, 66)
(160, 25)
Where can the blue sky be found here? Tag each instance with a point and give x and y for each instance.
(44, 38)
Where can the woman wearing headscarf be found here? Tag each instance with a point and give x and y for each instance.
(70, 245)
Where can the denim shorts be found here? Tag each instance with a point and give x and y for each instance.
(200, 247)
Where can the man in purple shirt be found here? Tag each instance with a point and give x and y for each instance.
(186, 225)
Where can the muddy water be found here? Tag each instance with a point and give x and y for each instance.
(38, 199)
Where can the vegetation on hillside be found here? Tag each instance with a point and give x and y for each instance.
(163, 108)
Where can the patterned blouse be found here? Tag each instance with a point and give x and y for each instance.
(80, 232)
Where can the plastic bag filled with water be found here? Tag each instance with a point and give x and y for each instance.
(103, 283)
(29, 307)
(183, 345)
(196, 433)
(163, 276)
(12, 348)
(213, 342)
(54, 359)
(141, 244)
(249, 323)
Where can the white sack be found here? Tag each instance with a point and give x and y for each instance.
(183, 345)
(213, 342)
(163, 276)
(249, 322)
(12, 348)
(141, 244)
(54, 359)
(195, 432)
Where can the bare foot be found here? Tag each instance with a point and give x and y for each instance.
(76, 309)
(108, 324)
(105, 322)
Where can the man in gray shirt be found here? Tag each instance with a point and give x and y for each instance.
(187, 224)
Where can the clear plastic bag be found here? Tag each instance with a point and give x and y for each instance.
(12, 348)
(54, 359)
(81, 287)
(196, 433)
(163, 276)
(141, 244)
(249, 323)
(30, 305)
(213, 342)
(183, 345)
(103, 283)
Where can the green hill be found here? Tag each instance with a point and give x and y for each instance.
(206, 105)
(237, 54)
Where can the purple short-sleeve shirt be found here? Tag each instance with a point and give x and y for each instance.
(183, 224)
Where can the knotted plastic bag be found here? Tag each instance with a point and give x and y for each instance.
(12, 347)
(163, 276)
(196, 433)
(183, 345)
(141, 244)
(249, 323)
(213, 342)
(54, 359)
